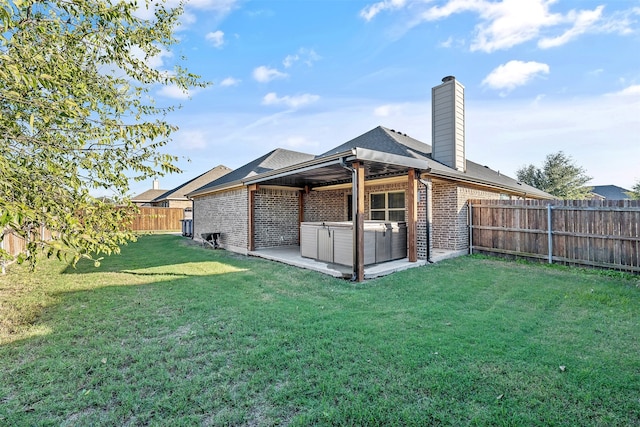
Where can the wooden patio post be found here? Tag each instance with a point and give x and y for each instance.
(251, 216)
(301, 194)
(412, 216)
(359, 222)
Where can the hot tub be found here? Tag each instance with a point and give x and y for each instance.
(332, 242)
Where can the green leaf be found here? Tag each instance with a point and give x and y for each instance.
(68, 127)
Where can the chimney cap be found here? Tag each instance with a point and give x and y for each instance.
(448, 79)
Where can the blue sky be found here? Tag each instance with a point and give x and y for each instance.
(540, 76)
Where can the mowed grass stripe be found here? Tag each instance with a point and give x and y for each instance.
(169, 333)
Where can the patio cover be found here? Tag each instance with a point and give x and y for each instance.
(355, 166)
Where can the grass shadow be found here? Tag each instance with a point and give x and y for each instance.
(156, 251)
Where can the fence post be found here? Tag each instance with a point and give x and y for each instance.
(470, 213)
(2, 264)
(550, 235)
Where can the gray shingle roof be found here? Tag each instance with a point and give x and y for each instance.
(384, 140)
(180, 192)
(276, 159)
(394, 142)
(611, 192)
(147, 196)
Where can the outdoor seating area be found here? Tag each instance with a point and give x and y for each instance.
(291, 255)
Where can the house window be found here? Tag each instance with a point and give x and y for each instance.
(387, 206)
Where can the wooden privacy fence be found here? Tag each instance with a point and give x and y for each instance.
(14, 244)
(148, 219)
(158, 219)
(596, 233)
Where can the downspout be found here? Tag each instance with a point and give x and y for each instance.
(427, 223)
(354, 207)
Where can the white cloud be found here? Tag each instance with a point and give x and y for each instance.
(306, 56)
(192, 139)
(156, 61)
(230, 81)
(290, 101)
(265, 74)
(513, 74)
(145, 10)
(216, 38)
(174, 92)
(387, 110)
(507, 23)
(224, 6)
(633, 90)
(369, 12)
(583, 22)
(447, 43)
(290, 60)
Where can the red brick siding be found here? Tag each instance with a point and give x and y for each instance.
(421, 226)
(450, 211)
(225, 212)
(330, 205)
(276, 218)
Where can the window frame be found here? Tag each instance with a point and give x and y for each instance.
(387, 210)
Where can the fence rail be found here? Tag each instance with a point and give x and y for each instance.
(148, 219)
(586, 232)
(158, 219)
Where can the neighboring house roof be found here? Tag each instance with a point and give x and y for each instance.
(147, 196)
(385, 151)
(180, 192)
(611, 192)
(273, 160)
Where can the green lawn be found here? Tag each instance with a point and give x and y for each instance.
(172, 334)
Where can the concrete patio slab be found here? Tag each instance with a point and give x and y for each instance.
(291, 255)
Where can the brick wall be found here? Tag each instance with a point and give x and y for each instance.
(225, 212)
(276, 218)
(450, 210)
(328, 205)
(421, 226)
(276, 214)
(180, 204)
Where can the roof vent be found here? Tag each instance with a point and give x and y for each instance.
(448, 79)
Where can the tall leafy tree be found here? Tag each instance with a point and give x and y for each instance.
(558, 176)
(634, 194)
(77, 114)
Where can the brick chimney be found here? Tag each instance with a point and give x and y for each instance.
(448, 130)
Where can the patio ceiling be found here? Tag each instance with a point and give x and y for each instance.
(335, 169)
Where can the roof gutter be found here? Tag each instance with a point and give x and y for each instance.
(226, 186)
(488, 184)
(279, 173)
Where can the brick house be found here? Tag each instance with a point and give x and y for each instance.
(382, 175)
(176, 197)
(146, 198)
